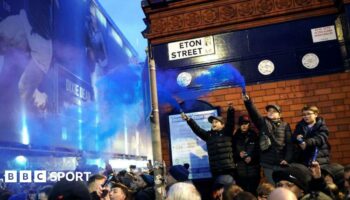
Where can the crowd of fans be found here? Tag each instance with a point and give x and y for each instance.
(296, 181)
(262, 159)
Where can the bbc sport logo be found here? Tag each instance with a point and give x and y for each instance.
(42, 176)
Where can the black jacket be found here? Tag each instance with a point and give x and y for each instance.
(219, 144)
(317, 136)
(248, 142)
(146, 194)
(279, 133)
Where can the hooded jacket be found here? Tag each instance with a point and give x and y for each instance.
(316, 136)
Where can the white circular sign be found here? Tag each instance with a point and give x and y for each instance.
(310, 60)
(266, 67)
(184, 79)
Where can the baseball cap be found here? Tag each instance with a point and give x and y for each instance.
(211, 118)
(243, 119)
(274, 106)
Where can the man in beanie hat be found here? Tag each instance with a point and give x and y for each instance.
(145, 183)
(318, 187)
(276, 148)
(176, 173)
(333, 173)
(334, 179)
(295, 177)
(148, 179)
(223, 180)
(219, 142)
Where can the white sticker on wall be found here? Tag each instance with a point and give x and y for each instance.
(266, 67)
(310, 60)
(322, 34)
(184, 79)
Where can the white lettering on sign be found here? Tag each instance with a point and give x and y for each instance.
(77, 90)
(322, 34)
(191, 48)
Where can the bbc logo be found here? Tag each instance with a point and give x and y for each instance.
(25, 176)
(42, 176)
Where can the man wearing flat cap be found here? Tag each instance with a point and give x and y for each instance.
(219, 142)
(276, 148)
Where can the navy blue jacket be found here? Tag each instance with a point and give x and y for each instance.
(317, 136)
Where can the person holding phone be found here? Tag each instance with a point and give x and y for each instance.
(97, 185)
(311, 138)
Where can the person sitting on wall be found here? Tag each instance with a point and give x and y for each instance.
(311, 138)
(276, 149)
(219, 142)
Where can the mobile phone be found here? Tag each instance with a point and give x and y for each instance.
(108, 180)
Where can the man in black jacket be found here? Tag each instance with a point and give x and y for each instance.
(279, 152)
(219, 142)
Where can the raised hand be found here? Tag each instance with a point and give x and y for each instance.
(315, 170)
(184, 116)
(245, 97)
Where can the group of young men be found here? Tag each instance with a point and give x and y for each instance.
(273, 147)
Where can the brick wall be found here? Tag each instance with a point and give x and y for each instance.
(330, 93)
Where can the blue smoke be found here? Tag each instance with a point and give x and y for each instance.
(202, 83)
(166, 85)
(220, 75)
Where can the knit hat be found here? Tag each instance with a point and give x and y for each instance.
(224, 180)
(294, 173)
(274, 106)
(66, 190)
(336, 171)
(243, 119)
(179, 172)
(211, 118)
(149, 180)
